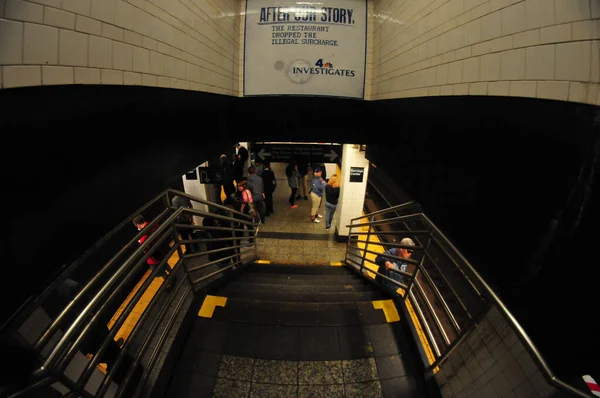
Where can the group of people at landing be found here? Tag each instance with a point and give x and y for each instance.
(253, 194)
(320, 189)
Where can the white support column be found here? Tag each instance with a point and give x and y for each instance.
(202, 191)
(352, 194)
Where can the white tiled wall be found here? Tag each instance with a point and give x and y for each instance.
(532, 48)
(492, 362)
(526, 48)
(370, 46)
(241, 23)
(188, 44)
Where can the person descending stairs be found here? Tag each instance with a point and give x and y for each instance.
(297, 331)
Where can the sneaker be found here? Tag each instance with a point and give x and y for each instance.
(294, 207)
(316, 220)
(320, 216)
(327, 228)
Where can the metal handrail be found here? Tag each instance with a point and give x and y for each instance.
(147, 340)
(429, 306)
(43, 339)
(83, 378)
(382, 222)
(137, 327)
(455, 250)
(35, 300)
(408, 260)
(162, 339)
(392, 244)
(439, 296)
(454, 292)
(56, 361)
(103, 290)
(515, 325)
(428, 331)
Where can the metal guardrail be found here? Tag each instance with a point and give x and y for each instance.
(448, 295)
(60, 339)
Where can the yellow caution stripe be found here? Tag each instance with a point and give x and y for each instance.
(389, 309)
(208, 306)
(262, 262)
(336, 264)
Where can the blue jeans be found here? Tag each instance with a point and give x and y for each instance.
(395, 276)
(329, 212)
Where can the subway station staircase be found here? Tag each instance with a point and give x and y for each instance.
(296, 331)
(242, 321)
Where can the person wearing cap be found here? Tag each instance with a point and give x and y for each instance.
(387, 264)
(317, 190)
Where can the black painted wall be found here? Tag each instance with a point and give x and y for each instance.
(491, 172)
(511, 182)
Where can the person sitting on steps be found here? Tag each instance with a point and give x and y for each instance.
(386, 264)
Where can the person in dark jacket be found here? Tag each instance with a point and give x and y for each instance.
(332, 195)
(302, 184)
(293, 175)
(257, 187)
(387, 264)
(184, 218)
(241, 157)
(228, 172)
(269, 183)
(215, 234)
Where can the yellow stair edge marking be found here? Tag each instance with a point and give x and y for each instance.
(374, 240)
(421, 333)
(389, 310)
(208, 306)
(263, 262)
(336, 264)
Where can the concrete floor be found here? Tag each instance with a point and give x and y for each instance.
(290, 237)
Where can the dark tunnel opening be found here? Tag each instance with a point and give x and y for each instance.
(492, 172)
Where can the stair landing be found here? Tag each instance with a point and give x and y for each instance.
(295, 331)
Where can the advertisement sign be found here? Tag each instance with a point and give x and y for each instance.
(305, 48)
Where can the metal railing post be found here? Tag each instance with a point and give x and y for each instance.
(411, 281)
(364, 256)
